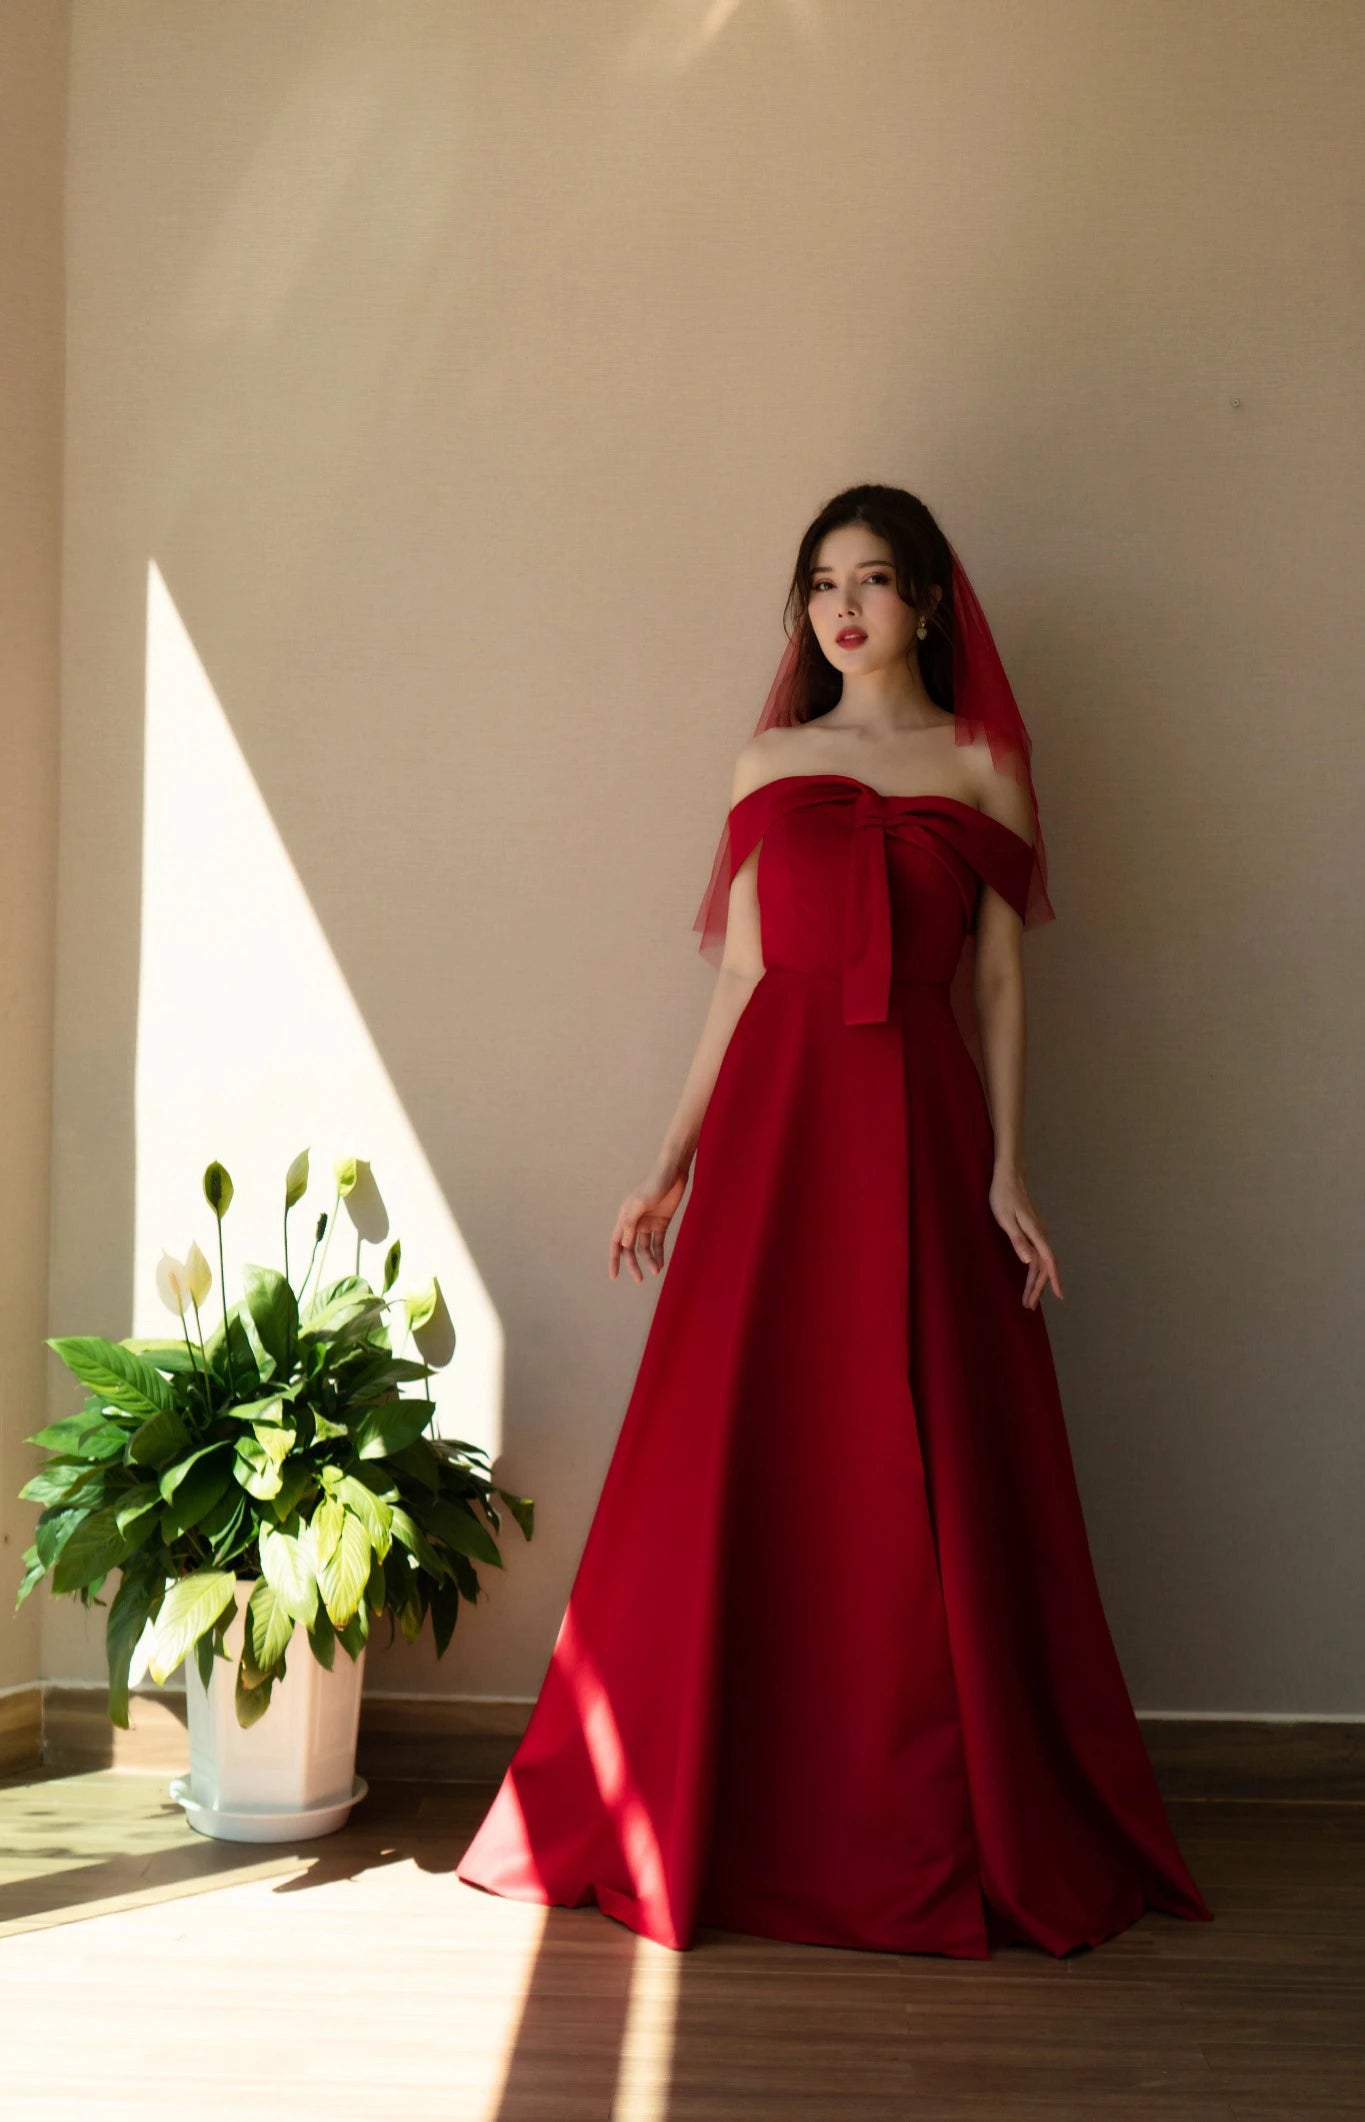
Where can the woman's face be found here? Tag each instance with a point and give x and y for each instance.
(853, 586)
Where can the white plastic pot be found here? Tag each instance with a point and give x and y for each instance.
(290, 1775)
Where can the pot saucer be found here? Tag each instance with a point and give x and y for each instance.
(256, 1823)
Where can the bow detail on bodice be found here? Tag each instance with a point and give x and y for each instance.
(969, 843)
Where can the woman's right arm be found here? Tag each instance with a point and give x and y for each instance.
(647, 1211)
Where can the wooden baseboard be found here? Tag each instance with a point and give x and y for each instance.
(21, 1729)
(447, 1739)
(429, 1739)
(1272, 1758)
(77, 1733)
(438, 1739)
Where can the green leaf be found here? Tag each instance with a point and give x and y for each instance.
(158, 1440)
(62, 1482)
(295, 1483)
(268, 1628)
(206, 1478)
(407, 1530)
(391, 1426)
(115, 1373)
(365, 1372)
(262, 1362)
(252, 1702)
(274, 1312)
(343, 1576)
(221, 1525)
(263, 1410)
(371, 1510)
(466, 1458)
(275, 1439)
(256, 1470)
(139, 1589)
(94, 1548)
(455, 1523)
(399, 1567)
(445, 1612)
(420, 1463)
(243, 1374)
(88, 1435)
(54, 1529)
(134, 1503)
(33, 1575)
(348, 1306)
(139, 1536)
(389, 1370)
(356, 1634)
(322, 1639)
(523, 1509)
(325, 1526)
(162, 1354)
(287, 1566)
(191, 1605)
(174, 1476)
(411, 1615)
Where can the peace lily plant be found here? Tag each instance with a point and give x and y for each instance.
(280, 1449)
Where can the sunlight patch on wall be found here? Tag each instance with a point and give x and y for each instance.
(251, 1047)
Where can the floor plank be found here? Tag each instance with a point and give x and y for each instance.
(146, 1967)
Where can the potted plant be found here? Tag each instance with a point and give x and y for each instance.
(271, 1486)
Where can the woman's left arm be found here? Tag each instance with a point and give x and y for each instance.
(1002, 1014)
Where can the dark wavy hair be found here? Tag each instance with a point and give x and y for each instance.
(921, 557)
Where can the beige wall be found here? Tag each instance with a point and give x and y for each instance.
(462, 378)
(33, 54)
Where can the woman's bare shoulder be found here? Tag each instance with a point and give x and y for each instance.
(765, 757)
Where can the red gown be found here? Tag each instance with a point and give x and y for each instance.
(834, 1666)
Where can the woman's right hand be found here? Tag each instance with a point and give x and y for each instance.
(644, 1216)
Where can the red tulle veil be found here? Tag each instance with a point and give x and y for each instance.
(983, 701)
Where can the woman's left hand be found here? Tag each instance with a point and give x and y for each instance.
(1027, 1233)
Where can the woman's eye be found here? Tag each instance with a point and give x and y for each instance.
(828, 585)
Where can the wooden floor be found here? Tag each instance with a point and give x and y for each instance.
(146, 1971)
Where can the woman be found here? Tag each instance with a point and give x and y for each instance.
(834, 1667)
